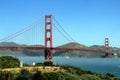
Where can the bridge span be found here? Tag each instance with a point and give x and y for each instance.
(48, 43)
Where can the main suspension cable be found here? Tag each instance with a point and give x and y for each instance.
(22, 31)
(63, 29)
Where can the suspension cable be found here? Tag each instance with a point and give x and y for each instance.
(61, 32)
(21, 31)
(63, 29)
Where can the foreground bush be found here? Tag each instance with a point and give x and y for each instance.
(48, 63)
(89, 77)
(22, 78)
(26, 75)
(6, 76)
(39, 76)
(110, 75)
(9, 62)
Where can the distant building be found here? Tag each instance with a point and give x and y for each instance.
(21, 64)
(33, 63)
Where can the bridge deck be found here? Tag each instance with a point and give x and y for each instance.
(43, 48)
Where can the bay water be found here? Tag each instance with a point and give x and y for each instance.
(99, 65)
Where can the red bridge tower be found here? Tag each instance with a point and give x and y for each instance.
(48, 37)
(107, 47)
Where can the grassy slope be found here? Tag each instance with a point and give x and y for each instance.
(67, 72)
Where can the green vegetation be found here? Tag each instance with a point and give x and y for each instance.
(70, 73)
(48, 63)
(47, 71)
(9, 62)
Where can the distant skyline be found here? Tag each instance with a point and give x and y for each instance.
(87, 21)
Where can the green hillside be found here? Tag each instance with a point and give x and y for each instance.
(12, 71)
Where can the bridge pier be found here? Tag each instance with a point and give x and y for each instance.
(108, 54)
(46, 52)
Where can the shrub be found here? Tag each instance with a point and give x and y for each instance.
(54, 76)
(21, 77)
(110, 75)
(9, 62)
(6, 76)
(39, 64)
(38, 76)
(48, 63)
(89, 77)
(24, 72)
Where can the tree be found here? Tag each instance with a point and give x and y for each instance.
(9, 62)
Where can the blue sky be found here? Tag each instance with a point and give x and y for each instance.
(87, 21)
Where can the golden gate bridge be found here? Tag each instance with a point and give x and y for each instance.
(47, 33)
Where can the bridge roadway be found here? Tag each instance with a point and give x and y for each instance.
(44, 48)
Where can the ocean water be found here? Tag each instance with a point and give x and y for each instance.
(99, 65)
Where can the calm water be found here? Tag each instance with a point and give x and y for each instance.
(99, 65)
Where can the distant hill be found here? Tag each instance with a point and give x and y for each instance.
(70, 53)
(8, 44)
(82, 53)
(73, 45)
(57, 53)
(9, 52)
